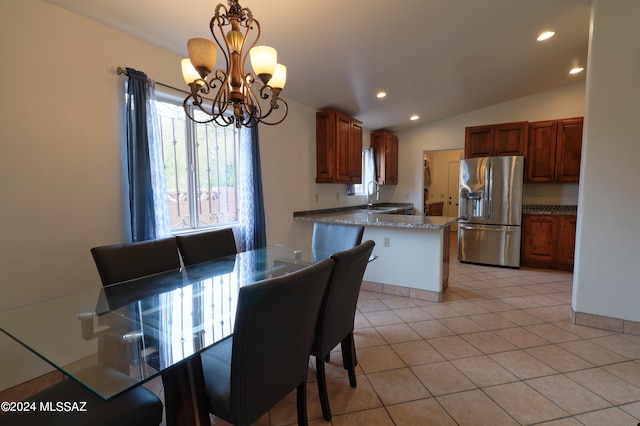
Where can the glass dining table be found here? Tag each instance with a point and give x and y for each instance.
(152, 326)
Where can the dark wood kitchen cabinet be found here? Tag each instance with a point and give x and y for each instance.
(385, 150)
(554, 151)
(548, 241)
(567, 240)
(496, 140)
(338, 148)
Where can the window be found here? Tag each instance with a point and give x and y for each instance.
(368, 171)
(201, 169)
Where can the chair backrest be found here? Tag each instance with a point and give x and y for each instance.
(272, 338)
(204, 246)
(332, 237)
(337, 314)
(136, 407)
(123, 262)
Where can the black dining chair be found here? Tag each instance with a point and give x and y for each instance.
(268, 355)
(117, 263)
(68, 403)
(336, 319)
(331, 237)
(123, 262)
(205, 246)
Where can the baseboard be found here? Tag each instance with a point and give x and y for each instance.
(396, 290)
(31, 387)
(605, 323)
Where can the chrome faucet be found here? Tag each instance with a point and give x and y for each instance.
(377, 191)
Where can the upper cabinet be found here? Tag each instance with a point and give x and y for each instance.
(385, 149)
(495, 140)
(338, 148)
(554, 151)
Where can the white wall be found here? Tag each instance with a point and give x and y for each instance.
(608, 245)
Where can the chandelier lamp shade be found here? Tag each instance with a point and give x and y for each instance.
(231, 95)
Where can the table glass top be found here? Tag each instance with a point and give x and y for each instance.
(112, 338)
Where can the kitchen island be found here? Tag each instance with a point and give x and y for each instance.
(412, 251)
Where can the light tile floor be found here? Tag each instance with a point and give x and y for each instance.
(500, 350)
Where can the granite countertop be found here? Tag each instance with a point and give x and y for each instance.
(357, 216)
(388, 207)
(549, 209)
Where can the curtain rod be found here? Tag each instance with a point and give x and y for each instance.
(121, 71)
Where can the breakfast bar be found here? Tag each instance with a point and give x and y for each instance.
(412, 250)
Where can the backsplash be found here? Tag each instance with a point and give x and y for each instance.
(550, 193)
(552, 209)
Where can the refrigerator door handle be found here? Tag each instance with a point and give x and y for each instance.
(489, 191)
(463, 208)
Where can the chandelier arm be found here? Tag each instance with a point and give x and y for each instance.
(253, 96)
(277, 106)
(219, 21)
(185, 105)
(262, 119)
(223, 120)
(275, 103)
(250, 26)
(198, 86)
(221, 99)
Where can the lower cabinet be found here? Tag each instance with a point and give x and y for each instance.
(548, 241)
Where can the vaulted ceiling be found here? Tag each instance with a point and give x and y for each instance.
(434, 58)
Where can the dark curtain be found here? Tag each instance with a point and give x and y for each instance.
(260, 231)
(141, 203)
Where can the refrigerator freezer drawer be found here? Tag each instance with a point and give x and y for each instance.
(489, 244)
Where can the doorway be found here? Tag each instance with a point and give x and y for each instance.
(453, 188)
(441, 183)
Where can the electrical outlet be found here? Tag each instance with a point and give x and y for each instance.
(386, 242)
(317, 197)
(337, 196)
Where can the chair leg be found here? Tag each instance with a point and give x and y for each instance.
(349, 360)
(322, 389)
(302, 404)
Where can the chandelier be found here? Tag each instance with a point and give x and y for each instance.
(232, 96)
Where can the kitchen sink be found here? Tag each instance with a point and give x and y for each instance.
(379, 209)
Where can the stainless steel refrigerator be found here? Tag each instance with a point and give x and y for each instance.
(490, 210)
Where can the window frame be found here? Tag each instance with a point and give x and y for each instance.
(368, 172)
(193, 170)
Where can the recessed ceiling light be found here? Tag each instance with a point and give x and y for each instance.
(576, 70)
(545, 35)
(381, 95)
(414, 117)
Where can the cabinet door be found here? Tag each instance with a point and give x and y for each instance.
(540, 163)
(510, 139)
(539, 236)
(567, 239)
(338, 148)
(325, 147)
(343, 148)
(391, 177)
(385, 147)
(355, 152)
(568, 150)
(479, 141)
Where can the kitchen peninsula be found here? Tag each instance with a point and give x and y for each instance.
(412, 250)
